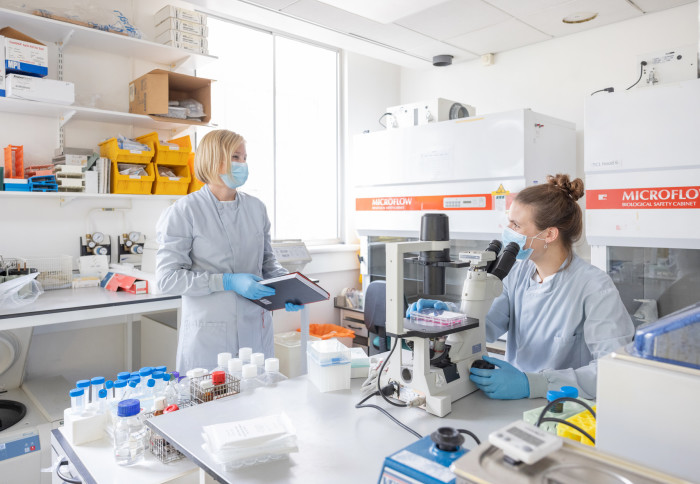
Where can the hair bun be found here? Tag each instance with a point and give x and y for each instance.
(572, 188)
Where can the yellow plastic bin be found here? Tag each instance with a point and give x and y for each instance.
(195, 184)
(584, 421)
(110, 149)
(328, 331)
(167, 155)
(133, 184)
(177, 185)
(288, 351)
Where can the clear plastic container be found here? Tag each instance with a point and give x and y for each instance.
(329, 365)
(250, 378)
(437, 318)
(244, 354)
(77, 401)
(272, 373)
(130, 434)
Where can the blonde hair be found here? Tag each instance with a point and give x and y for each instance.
(216, 147)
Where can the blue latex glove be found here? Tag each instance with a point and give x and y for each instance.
(246, 285)
(291, 307)
(422, 304)
(505, 382)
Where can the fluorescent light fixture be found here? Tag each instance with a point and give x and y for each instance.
(383, 11)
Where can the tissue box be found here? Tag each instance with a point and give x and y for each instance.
(81, 429)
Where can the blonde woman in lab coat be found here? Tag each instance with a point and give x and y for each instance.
(214, 247)
(560, 313)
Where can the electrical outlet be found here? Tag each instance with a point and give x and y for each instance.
(670, 66)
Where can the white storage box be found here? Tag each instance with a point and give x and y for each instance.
(190, 47)
(329, 365)
(183, 14)
(288, 351)
(195, 41)
(38, 89)
(183, 26)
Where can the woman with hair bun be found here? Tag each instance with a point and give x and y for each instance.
(560, 313)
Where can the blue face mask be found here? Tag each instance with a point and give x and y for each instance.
(238, 175)
(510, 235)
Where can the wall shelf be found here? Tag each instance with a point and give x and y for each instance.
(65, 113)
(49, 30)
(66, 197)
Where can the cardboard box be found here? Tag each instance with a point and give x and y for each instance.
(149, 94)
(24, 54)
(180, 13)
(120, 282)
(182, 37)
(192, 28)
(39, 89)
(180, 45)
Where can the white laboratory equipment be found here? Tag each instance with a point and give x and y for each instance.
(643, 195)
(292, 254)
(25, 445)
(424, 112)
(469, 169)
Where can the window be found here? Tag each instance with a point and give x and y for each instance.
(281, 94)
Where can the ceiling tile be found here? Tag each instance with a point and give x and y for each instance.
(454, 18)
(550, 21)
(497, 38)
(518, 8)
(435, 47)
(274, 4)
(330, 17)
(658, 5)
(394, 35)
(383, 11)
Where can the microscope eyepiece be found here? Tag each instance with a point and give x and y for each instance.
(505, 261)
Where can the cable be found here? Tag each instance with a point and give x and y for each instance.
(563, 399)
(391, 417)
(397, 341)
(607, 89)
(465, 431)
(575, 427)
(382, 117)
(641, 71)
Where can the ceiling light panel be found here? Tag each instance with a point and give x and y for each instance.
(273, 4)
(383, 11)
(453, 18)
(658, 5)
(550, 21)
(519, 8)
(498, 38)
(330, 17)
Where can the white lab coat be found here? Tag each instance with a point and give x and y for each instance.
(559, 328)
(200, 238)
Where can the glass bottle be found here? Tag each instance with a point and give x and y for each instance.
(130, 434)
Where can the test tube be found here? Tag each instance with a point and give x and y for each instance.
(102, 401)
(158, 377)
(145, 372)
(161, 368)
(244, 354)
(85, 386)
(109, 384)
(124, 375)
(119, 388)
(98, 383)
(77, 401)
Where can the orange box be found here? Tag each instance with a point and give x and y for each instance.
(116, 282)
(14, 161)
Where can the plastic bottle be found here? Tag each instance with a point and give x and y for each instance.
(250, 378)
(130, 433)
(124, 375)
(158, 406)
(222, 362)
(162, 368)
(235, 368)
(183, 392)
(171, 393)
(96, 384)
(119, 389)
(158, 377)
(272, 373)
(102, 401)
(258, 359)
(109, 385)
(244, 354)
(77, 401)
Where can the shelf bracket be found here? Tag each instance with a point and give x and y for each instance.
(179, 63)
(65, 200)
(66, 117)
(66, 40)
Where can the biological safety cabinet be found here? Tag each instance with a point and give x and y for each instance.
(643, 194)
(469, 169)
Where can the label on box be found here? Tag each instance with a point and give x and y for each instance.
(136, 152)
(39, 89)
(173, 148)
(26, 57)
(135, 177)
(175, 178)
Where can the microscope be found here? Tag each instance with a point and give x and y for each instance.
(433, 384)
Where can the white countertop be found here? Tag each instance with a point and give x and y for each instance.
(337, 442)
(64, 305)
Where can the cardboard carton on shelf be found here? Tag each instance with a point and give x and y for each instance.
(150, 93)
(23, 54)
